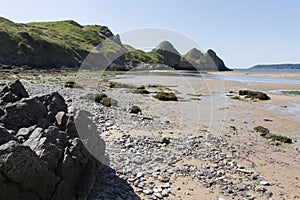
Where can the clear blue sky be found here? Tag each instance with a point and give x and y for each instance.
(243, 33)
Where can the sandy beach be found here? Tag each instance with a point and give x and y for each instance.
(212, 151)
(215, 112)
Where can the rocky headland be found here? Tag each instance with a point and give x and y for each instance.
(67, 44)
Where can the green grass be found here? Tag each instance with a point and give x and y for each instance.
(67, 43)
(63, 43)
(138, 56)
(53, 43)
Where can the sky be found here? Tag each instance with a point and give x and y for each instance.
(243, 33)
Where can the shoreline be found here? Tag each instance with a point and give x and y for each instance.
(261, 74)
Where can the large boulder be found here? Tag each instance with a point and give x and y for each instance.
(54, 103)
(25, 174)
(23, 113)
(5, 136)
(57, 161)
(13, 92)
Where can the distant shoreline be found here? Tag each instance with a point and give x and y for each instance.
(266, 70)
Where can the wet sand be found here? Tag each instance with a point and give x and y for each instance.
(206, 104)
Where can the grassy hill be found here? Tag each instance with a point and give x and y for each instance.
(67, 43)
(51, 44)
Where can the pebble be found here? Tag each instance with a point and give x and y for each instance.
(165, 185)
(128, 145)
(165, 193)
(131, 179)
(148, 192)
(264, 183)
(139, 175)
(158, 195)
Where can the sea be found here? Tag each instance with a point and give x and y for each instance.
(252, 78)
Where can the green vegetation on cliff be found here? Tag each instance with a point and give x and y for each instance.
(50, 44)
(67, 43)
(138, 56)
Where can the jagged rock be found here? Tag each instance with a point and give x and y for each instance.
(54, 103)
(13, 92)
(1, 112)
(171, 55)
(5, 136)
(25, 132)
(190, 61)
(48, 162)
(218, 62)
(193, 54)
(48, 145)
(23, 113)
(24, 173)
(61, 120)
(196, 60)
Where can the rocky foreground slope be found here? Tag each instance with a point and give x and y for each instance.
(41, 154)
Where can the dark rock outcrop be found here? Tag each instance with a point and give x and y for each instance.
(24, 113)
(13, 92)
(135, 110)
(254, 95)
(43, 155)
(218, 62)
(5, 136)
(171, 55)
(196, 60)
(166, 96)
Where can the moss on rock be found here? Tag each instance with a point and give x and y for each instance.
(265, 133)
(166, 96)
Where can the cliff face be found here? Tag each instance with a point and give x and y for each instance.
(170, 54)
(196, 60)
(67, 43)
(192, 60)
